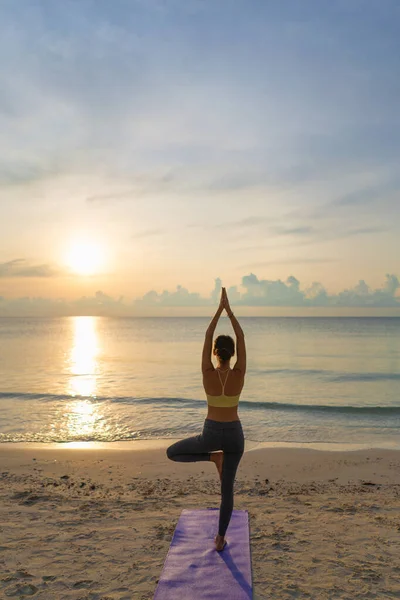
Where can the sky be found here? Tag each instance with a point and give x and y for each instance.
(154, 150)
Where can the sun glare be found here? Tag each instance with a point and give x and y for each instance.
(85, 258)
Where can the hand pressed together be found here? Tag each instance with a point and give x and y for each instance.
(224, 302)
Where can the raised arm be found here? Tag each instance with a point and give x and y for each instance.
(206, 362)
(240, 364)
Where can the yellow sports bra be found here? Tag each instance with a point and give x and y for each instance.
(223, 401)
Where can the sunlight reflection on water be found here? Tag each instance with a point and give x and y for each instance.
(83, 364)
(82, 416)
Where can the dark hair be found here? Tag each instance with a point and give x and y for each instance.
(224, 347)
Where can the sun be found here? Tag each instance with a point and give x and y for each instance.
(85, 257)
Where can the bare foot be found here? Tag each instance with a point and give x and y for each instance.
(218, 459)
(220, 543)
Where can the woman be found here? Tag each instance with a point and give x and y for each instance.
(221, 440)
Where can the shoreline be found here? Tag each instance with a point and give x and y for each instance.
(163, 443)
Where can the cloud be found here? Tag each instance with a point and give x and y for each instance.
(271, 293)
(377, 200)
(305, 230)
(252, 292)
(147, 233)
(23, 172)
(111, 196)
(362, 231)
(99, 304)
(20, 267)
(180, 297)
(288, 293)
(289, 261)
(361, 295)
(141, 185)
(271, 228)
(368, 195)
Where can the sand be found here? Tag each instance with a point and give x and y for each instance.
(96, 523)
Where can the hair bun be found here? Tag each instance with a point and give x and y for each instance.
(224, 347)
(224, 353)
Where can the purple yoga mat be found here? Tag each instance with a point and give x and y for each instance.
(194, 570)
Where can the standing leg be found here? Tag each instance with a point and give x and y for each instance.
(229, 468)
(233, 447)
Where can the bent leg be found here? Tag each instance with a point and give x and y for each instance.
(194, 449)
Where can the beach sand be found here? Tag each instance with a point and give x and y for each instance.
(96, 523)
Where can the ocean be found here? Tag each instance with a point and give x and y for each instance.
(310, 381)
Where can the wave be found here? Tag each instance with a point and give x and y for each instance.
(366, 377)
(286, 371)
(330, 376)
(244, 404)
(383, 410)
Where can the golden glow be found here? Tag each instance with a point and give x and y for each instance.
(83, 357)
(82, 415)
(85, 258)
(81, 418)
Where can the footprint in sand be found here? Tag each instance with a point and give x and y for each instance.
(84, 583)
(25, 589)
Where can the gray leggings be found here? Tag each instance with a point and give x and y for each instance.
(216, 435)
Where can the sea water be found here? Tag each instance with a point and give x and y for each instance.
(309, 380)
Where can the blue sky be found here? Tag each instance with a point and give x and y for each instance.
(196, 140)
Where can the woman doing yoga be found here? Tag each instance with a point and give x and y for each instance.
(221, 440)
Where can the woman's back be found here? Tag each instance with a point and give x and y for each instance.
(223, 390)
(219, 382)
